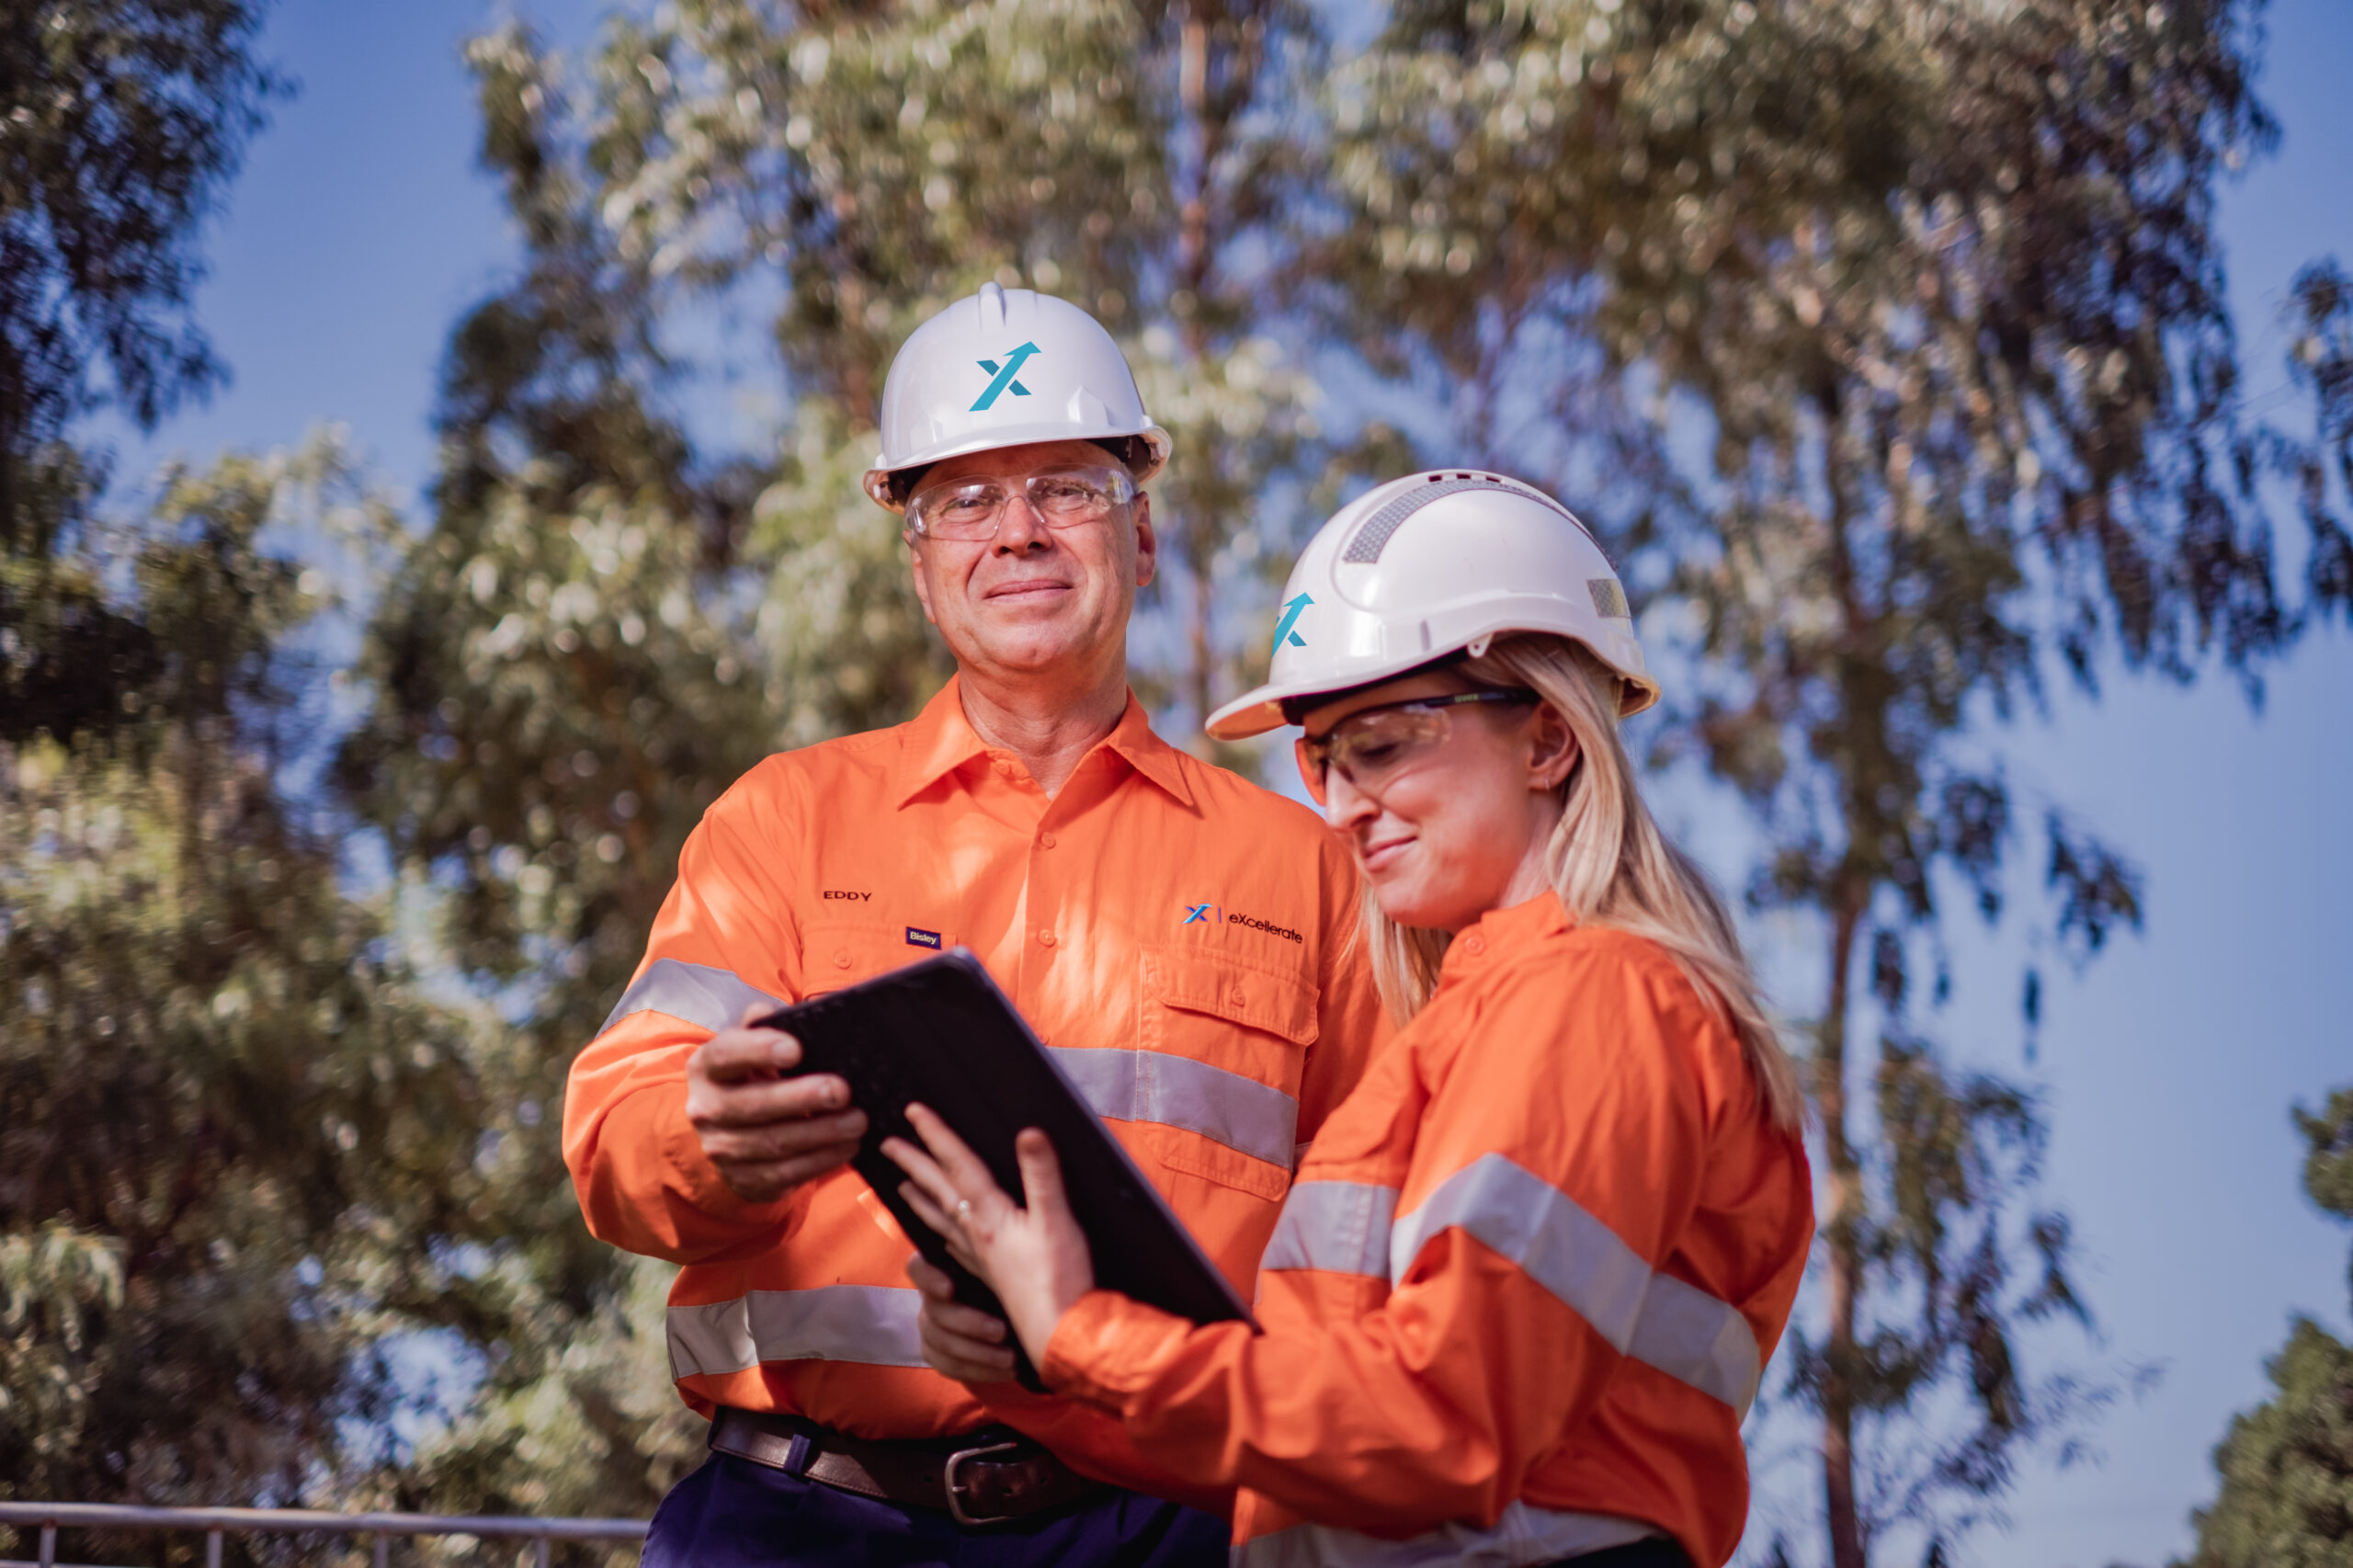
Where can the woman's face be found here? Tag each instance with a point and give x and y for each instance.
(1451, 828)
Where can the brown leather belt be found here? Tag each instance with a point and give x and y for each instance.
(983, 1478)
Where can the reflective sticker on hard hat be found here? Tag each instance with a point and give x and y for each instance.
(1608, 599)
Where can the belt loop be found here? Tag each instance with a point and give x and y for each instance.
(796, 1457)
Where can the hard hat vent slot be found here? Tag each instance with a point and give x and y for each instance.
(1373, 538)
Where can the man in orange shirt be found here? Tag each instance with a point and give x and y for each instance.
(1181, 939)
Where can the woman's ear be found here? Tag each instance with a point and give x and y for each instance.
(1553, 749)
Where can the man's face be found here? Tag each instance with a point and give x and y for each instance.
(1035, 600)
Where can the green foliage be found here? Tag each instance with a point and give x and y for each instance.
(1891, 340)
(1885, 338)
(230, 1129)
(882, 162)
(120, 119)
(2287, 1466)
(593, 1428)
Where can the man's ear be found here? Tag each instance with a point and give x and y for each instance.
(915, 565)
(1147, 542)
(1553, 749)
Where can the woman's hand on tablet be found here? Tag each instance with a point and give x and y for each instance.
(1036, 1259)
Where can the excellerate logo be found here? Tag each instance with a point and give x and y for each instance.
(1291, 612)
(1217, 917)
(1005, 374)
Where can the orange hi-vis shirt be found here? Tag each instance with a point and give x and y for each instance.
(1182, 941)
(1522, 1291)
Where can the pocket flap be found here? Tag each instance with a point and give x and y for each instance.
(834, 954)
(1233, 990)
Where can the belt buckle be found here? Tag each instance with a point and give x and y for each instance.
(948, 1474)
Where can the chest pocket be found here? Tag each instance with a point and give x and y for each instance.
(834, 955)
(1223, 1047)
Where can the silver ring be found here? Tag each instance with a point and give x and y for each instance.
(964, 1211)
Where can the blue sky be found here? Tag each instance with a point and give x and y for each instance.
(360, 229)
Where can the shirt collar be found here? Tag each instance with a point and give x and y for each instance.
(941, 740)
(1133, 738)
(1501, 930)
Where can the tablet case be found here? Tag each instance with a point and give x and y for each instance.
(940, 1033)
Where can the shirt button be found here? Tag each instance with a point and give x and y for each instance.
(1474, 944)
(1045, 938)
(1240, 997)
(1045, 841)
(841, 959)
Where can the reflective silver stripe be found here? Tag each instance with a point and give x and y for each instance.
(1684, 1332)
(1176, 1091)
(1341, 1227)
(1521, 1537)
(870, 1324)
(697, 993)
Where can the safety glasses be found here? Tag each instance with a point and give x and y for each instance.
(971, 509)
(1374, 746)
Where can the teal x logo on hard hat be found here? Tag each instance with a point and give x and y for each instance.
(1004, 376)
(1291, 612)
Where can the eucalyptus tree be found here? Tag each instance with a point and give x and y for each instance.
(231, 1129)
(559, 678)
(229, 1124)
(864, 167)
(1891, 339)
(2287, 1466)
(120, 120)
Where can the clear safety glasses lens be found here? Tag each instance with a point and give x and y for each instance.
(1374, 746)
(973, 509)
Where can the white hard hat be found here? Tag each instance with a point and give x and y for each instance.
(1003, 368)
(1429, 565)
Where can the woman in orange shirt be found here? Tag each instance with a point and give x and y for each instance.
(1528, 1274)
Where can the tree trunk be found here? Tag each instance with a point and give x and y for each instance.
(1842, 1237)
(1193, 252)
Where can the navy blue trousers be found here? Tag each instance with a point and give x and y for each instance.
(734, 1514)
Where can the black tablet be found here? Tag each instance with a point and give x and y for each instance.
(940, 1033)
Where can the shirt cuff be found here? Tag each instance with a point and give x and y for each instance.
(1109, 1346)
(696, 1178)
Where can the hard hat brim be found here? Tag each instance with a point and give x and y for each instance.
(1257, 712)
(878, 478)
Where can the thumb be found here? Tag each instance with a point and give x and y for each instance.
(1042, 1174)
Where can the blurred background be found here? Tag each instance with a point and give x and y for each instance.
(429, 441)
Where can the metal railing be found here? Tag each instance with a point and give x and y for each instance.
(217, 1524)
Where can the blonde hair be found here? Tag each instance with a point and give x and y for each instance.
(1611, 867)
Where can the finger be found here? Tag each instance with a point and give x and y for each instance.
(966, 1360)
(1041, 1173)
(935, 1283)
(733, 1055)
(930, 1214)
(782, 1140)
(967, 1323)
(963, 1359)
(761, 1180)
(964, 1169)
(945, 1224)
(924, 1173)
(754, 1102)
